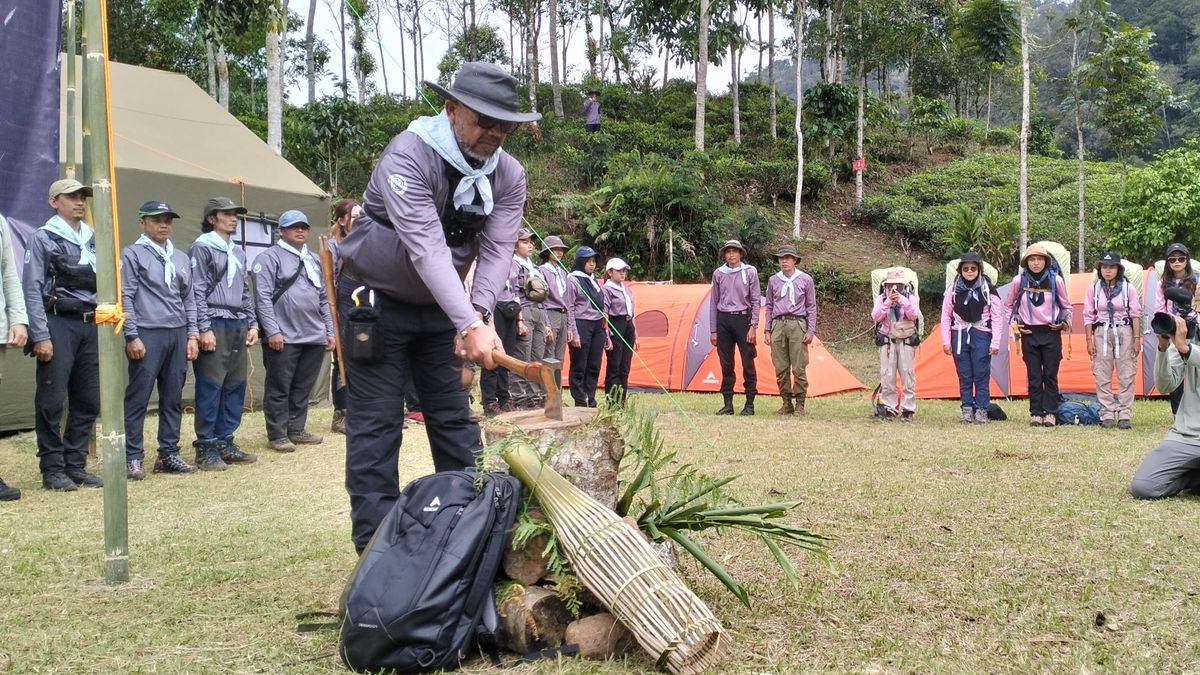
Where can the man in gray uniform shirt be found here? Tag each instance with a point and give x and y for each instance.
(442, 195)
(294, 315)
(160, 337)
(60, 299)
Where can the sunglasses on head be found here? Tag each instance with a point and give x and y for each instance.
(1176, 259)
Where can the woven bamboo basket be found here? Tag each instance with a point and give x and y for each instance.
(616, 564)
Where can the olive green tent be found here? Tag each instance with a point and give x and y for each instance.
(171, 141)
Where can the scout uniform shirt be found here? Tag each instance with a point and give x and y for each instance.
(301, 311)
(558, 299)
(219, 287)
(156, 289)
(794, 296)
(40, 254)
(734, 289)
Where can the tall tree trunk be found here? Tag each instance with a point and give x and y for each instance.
(701, 72)
(774, 113)
(666, 67)
(274, 91)
(987, 124)
(555, 84)
(210, 54)
(382, 60)
(612, 32)
(734, 59)
(829, 66)
(1079, 149)
(310, 48)
(600, 44)
(1023, 172)
(591, 48)
(563, 47)
(512, 43)
(345, 72)
(403, 65)
(420, 42)
(860, 122)
(473, 13)
(798, 29)
(761, 47)
(532, 17)
(222, 77)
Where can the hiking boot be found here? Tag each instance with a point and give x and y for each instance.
(968, 415)
(748, 409)
(787, 408)
(1107, 424)
(726, 409)
(230, 453)
(1049, 421)
(338, 426)
(134, 470)
(800, 406)
(304, 438)
(8, 493)
(981, 417)
(1124, 424)
(207, 457)
(907, 416)
(172, 464)
(58, 482)
(1035, 420)
(282, 445)
(492, 409)
(84, 479)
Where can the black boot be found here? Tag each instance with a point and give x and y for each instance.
(748, 409)
(230, 453)
(207, 456)
(726, 409)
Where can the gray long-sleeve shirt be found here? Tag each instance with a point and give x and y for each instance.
(1171, 370)
(12, 298)
(302, 312)
(37, 279)
(736, 291)
(214, 298)
(559, 296)
(409, 259)
(148, 301)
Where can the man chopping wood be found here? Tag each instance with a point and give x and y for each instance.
(442, 196)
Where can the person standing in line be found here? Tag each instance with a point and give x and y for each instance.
(1040, 312)
(560, 312)
(509, 326)
(344, 213)
(1177, 272)
(971, 329)
(294, 314)
(534, 335)
(591, 111)
(225, 319)
(160, 338)
(622, 342)
(1112, 316)
(60, 300)
(14, 322)
(791, 326)
(733, 319)
(896, 313)
(591, 338)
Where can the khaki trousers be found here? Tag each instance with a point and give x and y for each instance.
(789, 355)
(532, 348)
(896, 358)
(1120, 405)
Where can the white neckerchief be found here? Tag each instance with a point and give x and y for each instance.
(306, 258)
(625, 294)
(163, 252)
(788, 288)
(585, 275)
(530, 268)
(743, 268)
(58, 226)
(218, 243)
(560, 279)
(438, 134)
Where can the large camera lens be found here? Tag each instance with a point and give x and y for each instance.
(1163, 324)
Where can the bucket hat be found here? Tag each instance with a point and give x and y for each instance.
(733, 243)
(1035, 249)
(486, 89)
(787, 249)
(552, 242)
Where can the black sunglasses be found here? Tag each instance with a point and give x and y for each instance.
(487, 123)
(1176, 259)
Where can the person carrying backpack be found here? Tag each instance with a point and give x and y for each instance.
(1040, 311)
(1112, 315)
(895, 313)
(1177, 272)
(972, 327)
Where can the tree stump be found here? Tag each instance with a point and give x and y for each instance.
(588, 451)
(526, 563)
(599, 637)
(532, 620)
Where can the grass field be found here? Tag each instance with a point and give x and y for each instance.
(957, 550)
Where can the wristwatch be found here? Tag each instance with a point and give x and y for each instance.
(474, 324)
(486, 314)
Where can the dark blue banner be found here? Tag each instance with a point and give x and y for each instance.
(29, 101)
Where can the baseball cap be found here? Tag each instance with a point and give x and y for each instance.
(524, 233)
(616, 264)
(221, 204)
(292, 218)
(68, 186)
(156, 208)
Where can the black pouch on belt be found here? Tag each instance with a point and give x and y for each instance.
(364, 337)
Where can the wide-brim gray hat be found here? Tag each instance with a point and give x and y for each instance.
(552, 242)
(488, 90)
(787, 249)
(221, 204)
(733, 243)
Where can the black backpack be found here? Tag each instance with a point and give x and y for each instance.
(417, 598)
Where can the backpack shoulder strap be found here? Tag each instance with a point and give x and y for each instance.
(283, 288)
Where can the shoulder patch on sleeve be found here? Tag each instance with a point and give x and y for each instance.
(257, 268)
(398, 183)
(193, 263)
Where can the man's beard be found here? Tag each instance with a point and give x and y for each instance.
(475, 159)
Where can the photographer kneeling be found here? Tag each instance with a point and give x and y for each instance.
(1174, 466)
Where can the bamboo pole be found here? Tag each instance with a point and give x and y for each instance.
(111, 431)
(72, 82)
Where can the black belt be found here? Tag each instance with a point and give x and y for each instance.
(738, 312)
(623, 317)
(86, 317)
(790, 317)
(555, 309)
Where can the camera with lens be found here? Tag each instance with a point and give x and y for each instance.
(1163, 323)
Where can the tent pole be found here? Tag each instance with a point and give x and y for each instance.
(72, 81)
(671, 254)
(111, 431)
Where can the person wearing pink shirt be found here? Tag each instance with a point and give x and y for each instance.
(1178, 272)
(972, 326)
(1040, 310)
(1112, 315)
(895, 313)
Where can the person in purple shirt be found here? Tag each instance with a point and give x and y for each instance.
(895, 314)
(791, 325)
(618, 299)
(591, 111)
(733, 318)
(972, 326)
(1040, 311)
(1112, 316)
(443, 196)
(587, 349)
(560, 313)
